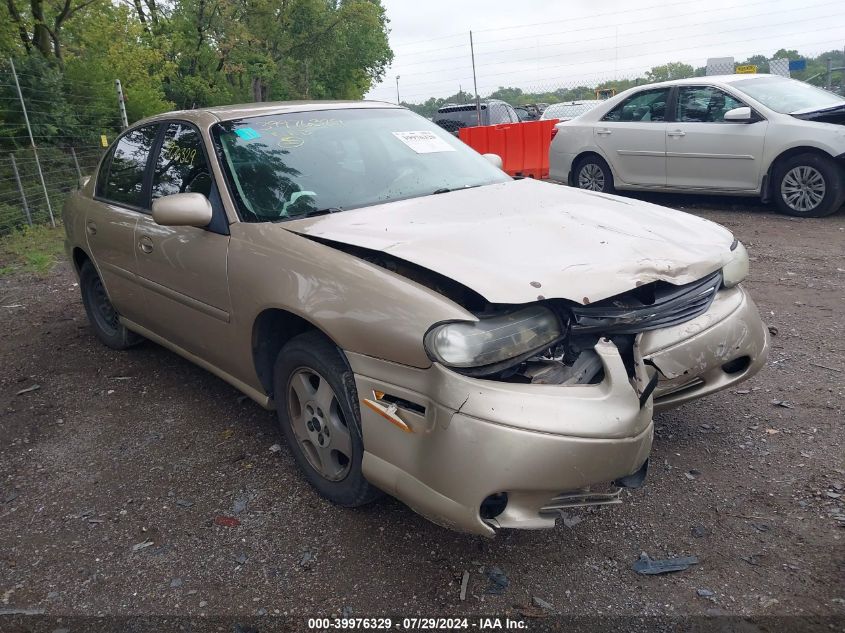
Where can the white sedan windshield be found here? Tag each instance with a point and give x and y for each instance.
(287, 166)
(788, 96)
(568, 111)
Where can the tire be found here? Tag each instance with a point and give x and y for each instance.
(103, 317)
(808, 186)
(317, 406)
(593, 174)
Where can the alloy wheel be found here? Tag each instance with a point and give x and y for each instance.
(803, 188)
(591, 177)
(319, 424)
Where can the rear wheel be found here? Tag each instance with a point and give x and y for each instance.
(104, 319)
(593, 174)
(808, 185)
(317, 406)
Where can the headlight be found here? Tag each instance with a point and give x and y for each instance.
(493, 340)
(737, 269)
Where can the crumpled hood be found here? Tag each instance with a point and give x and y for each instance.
(522, 240)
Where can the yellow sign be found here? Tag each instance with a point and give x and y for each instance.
(747, 69)
(103, 140)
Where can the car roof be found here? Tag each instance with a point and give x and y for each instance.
(459, 106)
(725, 79)
(577, 102)
(239, 111)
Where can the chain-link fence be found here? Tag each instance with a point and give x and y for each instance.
(603, 51)
(518, 91)
(53, 131)
(54, 126)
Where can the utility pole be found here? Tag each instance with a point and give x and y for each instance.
(398, 102)
(121, 104)
(474, 80)
(828, 85)
(32, 142)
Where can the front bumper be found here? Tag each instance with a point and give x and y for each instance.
(467, 439)
(722, 347)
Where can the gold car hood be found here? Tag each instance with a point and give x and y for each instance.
(522, 240)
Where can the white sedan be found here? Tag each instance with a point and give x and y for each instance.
(747, 135)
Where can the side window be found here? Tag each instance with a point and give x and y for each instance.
(649, 105)
(514, 117)
(181, 166)
(704, 104)
(125, 182)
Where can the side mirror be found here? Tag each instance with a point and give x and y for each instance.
(494, 159)
(182, 209)
(739, 115)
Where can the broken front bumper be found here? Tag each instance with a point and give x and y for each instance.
(718, 349)
(460, 440)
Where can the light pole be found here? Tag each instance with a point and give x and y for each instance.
(397, 91)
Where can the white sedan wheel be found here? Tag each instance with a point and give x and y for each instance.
(803, 188)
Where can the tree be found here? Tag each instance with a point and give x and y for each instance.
(672, 70)
(36, 29)
(760, 61)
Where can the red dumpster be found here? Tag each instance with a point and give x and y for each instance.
(523, 147)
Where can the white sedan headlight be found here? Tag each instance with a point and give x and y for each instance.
(737, 269)
(493, 340)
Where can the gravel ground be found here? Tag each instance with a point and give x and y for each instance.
(114, 472)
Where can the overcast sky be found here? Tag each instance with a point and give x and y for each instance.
(540, 44)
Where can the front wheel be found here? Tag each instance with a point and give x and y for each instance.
(808, 186)
(593, 174)
(317, 406)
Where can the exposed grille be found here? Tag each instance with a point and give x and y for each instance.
(647, 308)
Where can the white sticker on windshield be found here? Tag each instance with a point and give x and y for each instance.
(424, 142)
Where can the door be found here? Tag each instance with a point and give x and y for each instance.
(632, 137)
(111, 218)
(706, 152)
(183, 268)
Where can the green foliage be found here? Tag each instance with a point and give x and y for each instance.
(33, 249)
(258, 50)
(186, 54)
(667, 72)
(112, 45)
(36, 77)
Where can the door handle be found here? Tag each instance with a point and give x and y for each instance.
(91, 228)
(603, 132)
(676, 133)
(146, 244)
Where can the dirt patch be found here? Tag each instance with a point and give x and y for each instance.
(116, 469)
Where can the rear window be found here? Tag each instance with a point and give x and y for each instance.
(454, 119)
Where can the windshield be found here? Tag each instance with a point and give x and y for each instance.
(568, 110)
(287, 166)
(787, 95)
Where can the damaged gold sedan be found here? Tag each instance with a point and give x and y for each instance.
(490, 351)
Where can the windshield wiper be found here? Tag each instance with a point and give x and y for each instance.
(309, 214)
(326, 211)
(447, 190)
